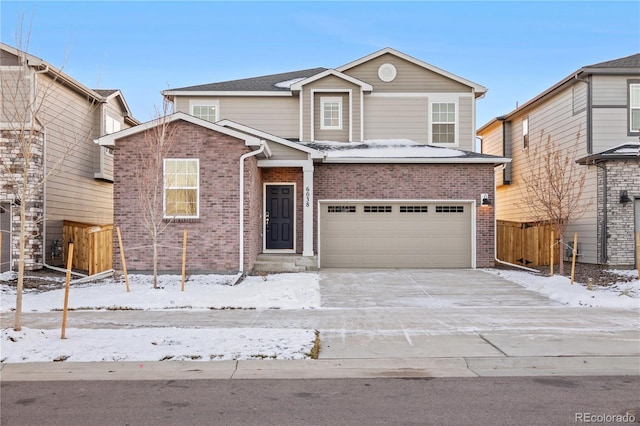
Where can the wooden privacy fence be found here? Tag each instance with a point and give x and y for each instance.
(93, 245)
(525, 244)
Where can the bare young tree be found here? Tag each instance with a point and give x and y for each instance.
(152, 182)
(553, 186)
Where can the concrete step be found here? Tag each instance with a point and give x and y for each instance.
(276, 263)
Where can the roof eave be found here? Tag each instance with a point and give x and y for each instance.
(417, 160)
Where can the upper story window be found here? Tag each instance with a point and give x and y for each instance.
(181, 188)
(207, 110)
(525, 132)
(112, 125)
(330, 113)
(634, 108)
(443, 122)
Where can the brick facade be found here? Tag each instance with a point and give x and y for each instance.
(213, 238)
(621, 175)
(10, 186)
(414, 181)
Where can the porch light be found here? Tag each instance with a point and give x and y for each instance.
(484, 200)
(624, 197)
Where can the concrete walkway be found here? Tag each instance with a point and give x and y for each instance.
(391, 323)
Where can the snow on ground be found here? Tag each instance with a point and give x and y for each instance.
(625, 295)
(279, 291)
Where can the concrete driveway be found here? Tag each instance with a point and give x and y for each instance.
(427, 288)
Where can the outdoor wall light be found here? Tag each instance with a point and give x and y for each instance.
(624, 197)
(484, 200)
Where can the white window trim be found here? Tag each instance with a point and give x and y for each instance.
(114, 121)
(525, 132)
(456, 128)
(206, 103)
(326, 100)
(165, 187)
(633, 108)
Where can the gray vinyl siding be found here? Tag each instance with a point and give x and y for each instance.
(610, 90)
(278, 115)
(396, 118)
(72, 193)
(17, 90)
(610, 112)
(492, 145)
(281, 152)
(410, 77)
(466, 124)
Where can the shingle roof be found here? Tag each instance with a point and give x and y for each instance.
(632, 61)
(625, 151)
(263, 83)
(105, 92)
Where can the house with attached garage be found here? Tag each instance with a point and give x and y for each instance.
(70, 177)
(370, 164)
(601, 104)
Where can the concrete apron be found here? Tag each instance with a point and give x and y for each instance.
(392, 323)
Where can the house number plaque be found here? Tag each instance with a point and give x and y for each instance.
(307, 197)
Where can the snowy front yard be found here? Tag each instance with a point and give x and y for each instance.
(206, 292)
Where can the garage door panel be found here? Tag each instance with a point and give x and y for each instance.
(422, 235)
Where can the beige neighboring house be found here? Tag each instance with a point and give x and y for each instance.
(370, 164)
(601, 102)
(69, 117)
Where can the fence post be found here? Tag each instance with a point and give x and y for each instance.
(124, 262)
(551, 254)
(66, 291)
(573, 260)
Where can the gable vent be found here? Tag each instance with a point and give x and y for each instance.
(387, 72)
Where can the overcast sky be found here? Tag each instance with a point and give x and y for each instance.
(515, 49)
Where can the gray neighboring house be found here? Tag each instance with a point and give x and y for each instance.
(71, 116)
(601, 102)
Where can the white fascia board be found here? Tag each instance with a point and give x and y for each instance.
(224, 93)
(285, 163)
(273, 138)
(462, 160)
(478, 88)
(109, 140)
(421, 94)
(364, 86)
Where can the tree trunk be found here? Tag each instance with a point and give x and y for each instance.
(21, 249)
(155, 261)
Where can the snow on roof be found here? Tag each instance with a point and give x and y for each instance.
(384, 148)
(287, 84)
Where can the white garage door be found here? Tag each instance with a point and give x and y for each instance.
(382, 234)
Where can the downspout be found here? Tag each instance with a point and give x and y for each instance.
(241, 237)
(603, 234)
(589, 114)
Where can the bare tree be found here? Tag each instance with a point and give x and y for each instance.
(152, 182)
(26, 113)
(553, 186)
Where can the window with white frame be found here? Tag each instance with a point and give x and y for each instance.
(207, 110)
(443, 122)
(525, 132)
(181, 188)
(331, 113)
(112, 125)
(634, 108)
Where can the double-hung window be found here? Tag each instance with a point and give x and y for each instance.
(181, 188)
(330, 113)
(443, 123)
(525, 132)
(634, 108)
(207, 110)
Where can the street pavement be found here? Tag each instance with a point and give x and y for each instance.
(386, 323)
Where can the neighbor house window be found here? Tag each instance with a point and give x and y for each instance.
(112, 125)
(181, 188)
(525, 132)
(331, 113)
(634, 108)
(209, 110)
(443, 122)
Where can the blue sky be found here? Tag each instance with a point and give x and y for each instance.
(516, 49)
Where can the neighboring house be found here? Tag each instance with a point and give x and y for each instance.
(66, 117)
(601, 103)
(367, 165)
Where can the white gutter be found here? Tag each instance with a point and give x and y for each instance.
(241, 256)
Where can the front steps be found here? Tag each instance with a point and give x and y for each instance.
(277, 263)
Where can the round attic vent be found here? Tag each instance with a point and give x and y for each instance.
(387, 72)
